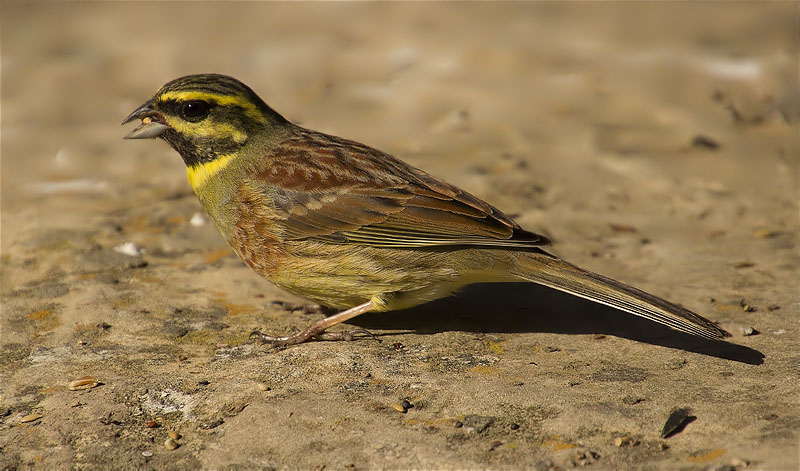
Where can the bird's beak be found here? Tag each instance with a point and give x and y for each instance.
(153, 124)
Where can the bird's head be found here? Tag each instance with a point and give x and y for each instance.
(204, 117)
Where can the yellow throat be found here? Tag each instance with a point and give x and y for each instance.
(199, 174)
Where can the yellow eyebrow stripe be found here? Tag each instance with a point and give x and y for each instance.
(223, 100)
(199, 174)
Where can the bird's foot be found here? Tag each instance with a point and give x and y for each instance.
(317, 329)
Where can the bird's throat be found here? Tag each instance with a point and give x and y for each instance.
(199, 173)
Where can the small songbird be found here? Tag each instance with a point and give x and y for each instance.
(351, 227)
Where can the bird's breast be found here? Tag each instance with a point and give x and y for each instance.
(253, 231)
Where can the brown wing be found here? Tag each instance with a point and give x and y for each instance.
(334, 190)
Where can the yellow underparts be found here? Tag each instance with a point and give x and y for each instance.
(199, 174)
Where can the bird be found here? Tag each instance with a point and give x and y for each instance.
(350, 227)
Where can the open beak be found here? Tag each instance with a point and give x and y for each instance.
(153, 124)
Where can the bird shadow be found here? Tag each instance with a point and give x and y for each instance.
(526, 307)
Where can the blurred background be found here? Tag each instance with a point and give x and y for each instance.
(653, 142)
(551, 83)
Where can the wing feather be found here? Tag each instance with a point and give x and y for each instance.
(333, 190)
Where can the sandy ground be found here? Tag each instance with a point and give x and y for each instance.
(654, 143)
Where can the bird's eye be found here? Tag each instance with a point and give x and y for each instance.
(195, 110)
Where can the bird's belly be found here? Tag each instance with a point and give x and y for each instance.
(343, 276)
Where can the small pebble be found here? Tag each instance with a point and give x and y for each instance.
(152, 424)
(263, 387)
(622, 228)
(765, 234)
(236, 408)
(406, 405)
(474, 423)
(632, 400)
(740, 463)
(173, 434)
(85, 382)
(677, 419)
(625, 441)
(214, 424)
(746, 307)
(30, 418)
(773, 307)
(128, 248)
(198, 220)
(81, 342)
(399, 408)
(147, 453)
(705, 142)
(458, 424)
(181, 358)
(748, 331)
(514, 426)
(171, 444)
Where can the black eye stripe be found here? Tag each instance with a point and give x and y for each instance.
(179, 107)
(233, 112)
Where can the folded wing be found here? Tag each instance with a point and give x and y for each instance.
(338, 191)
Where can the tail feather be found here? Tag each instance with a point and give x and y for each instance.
(548, 270)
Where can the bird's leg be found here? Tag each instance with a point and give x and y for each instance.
(317, 329)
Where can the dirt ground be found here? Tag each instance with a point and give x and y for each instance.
(654, 143)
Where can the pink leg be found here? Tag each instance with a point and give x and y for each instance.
(317, 329)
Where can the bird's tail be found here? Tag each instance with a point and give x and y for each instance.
(548, 270)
